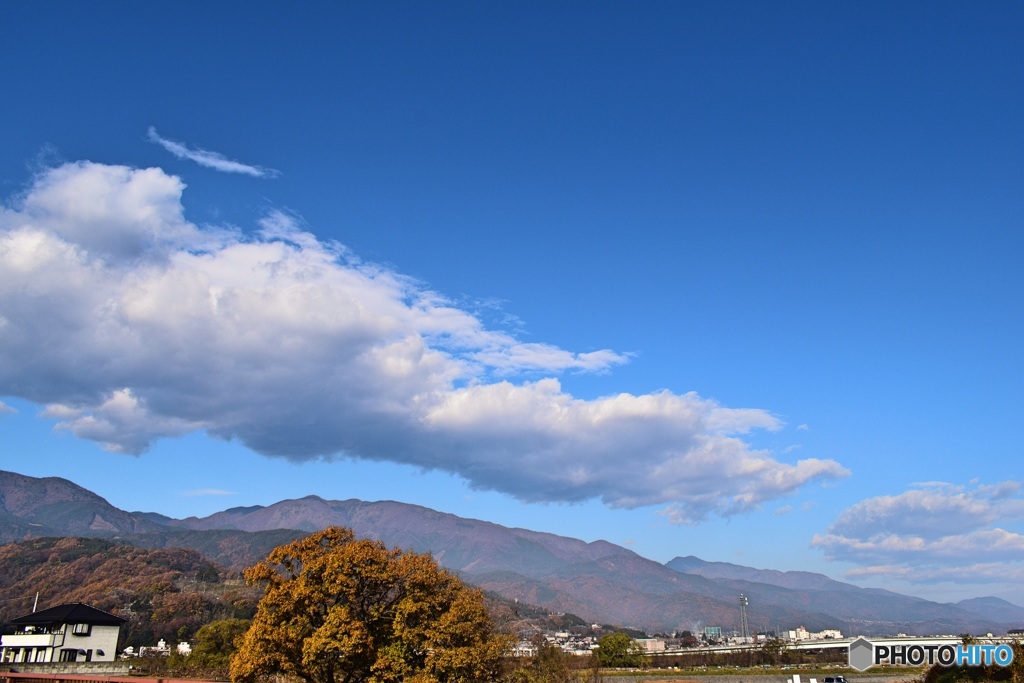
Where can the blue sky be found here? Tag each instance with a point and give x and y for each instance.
(737, 280)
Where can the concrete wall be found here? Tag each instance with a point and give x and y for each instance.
(83, 668)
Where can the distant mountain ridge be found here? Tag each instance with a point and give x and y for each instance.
(55, 506)
(995, 608)
(817, 592)
(600, 581)
(726, 570)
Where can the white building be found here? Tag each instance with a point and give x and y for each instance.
(651, 645)
(72, 632)
(802, 634)
(799, 634)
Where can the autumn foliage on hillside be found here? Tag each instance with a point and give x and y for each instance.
(165, 593)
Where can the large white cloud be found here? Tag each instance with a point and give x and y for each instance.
(936, 532)
(131, 324)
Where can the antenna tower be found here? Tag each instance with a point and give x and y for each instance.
(743, 616)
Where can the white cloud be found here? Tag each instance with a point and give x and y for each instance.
(214, 160)
(121, 423)
(935, 510)
(195, 493)
(156, 328)
(6, 409)
(935, 532)
(91, 211)
(971, 574)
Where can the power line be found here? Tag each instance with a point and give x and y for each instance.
(26, 597)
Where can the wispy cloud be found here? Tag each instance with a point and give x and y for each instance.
(214, 160)
(195, 493)
(969, 573)
(6, 409)
(299, 349)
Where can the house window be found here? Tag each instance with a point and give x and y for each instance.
(69, 655)
(81, 629)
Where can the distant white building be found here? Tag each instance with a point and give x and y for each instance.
(802, 634)
(72, 632)
(651, 645)
(161, 649)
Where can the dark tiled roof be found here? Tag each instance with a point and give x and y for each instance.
(70, 613)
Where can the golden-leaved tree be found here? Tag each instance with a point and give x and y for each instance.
(341, 610)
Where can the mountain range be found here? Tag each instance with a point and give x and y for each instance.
(599, 581)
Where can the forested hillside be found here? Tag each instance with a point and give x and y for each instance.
(163, 593)
(235, 550)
